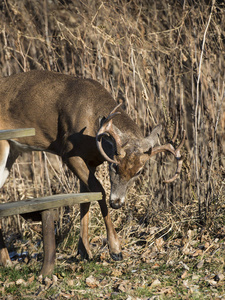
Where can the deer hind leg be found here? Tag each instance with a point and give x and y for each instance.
(8, 155)
(4, 154)
(91, 184)
(4, 172)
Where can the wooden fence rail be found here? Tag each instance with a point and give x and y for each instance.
(45, 206)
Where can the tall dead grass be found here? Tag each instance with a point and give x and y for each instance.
(147, 54)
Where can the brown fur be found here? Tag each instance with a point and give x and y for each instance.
(66, 112)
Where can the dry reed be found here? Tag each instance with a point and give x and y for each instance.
(148, 54)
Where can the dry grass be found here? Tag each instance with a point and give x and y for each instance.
(146, 53)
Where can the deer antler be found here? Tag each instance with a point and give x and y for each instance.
(176, 152)
(106, 129)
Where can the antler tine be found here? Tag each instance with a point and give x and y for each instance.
(175, 133)
(112, 114)
(179, 159)
(176, 152)
(99, 145)
(113, 111)
(107, 130)
(179, 167)
(182, 141)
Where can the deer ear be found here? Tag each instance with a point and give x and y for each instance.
(149, 142)
(111, 138)
(101, 120)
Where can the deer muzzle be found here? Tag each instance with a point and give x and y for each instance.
(116, 202)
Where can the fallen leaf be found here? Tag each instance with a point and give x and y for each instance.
(95, 239)
(207, 244)
(54, 279)
(103, 256)
(48, 282)
(155, 283)
(184, 275)
(67, 296)
(190, 234)
(31, 279)
(159, 243)
(184, 266)
(153, 255)
(40, 278)
(212, 282)
(145, 255)
(153, 230)
(20, 282)
(200, 264)
(166, 291)
(116, 273)
(195, 277)
(8, 284)
(26, 260)
(197, 253)
(186, 283)
(92, 282)
(155, 266)
(187, 249)
(70, 282)
(124, 286)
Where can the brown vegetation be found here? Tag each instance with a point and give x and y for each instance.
(165, 61)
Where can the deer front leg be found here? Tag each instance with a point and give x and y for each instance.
(91, 184)
(113, 240)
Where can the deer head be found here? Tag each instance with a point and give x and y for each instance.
(131, 155)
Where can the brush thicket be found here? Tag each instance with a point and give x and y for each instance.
(150, 55)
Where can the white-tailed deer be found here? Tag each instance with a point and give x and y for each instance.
(78, 120)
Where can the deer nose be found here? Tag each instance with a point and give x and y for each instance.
(116, 203)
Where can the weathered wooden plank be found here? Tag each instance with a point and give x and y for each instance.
(44, 203)
(16, 133)
(49, 245)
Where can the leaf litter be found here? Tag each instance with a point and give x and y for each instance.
(165, 267)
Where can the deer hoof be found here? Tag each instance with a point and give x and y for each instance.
(117, 256)
(83, 255)
(84, 252)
